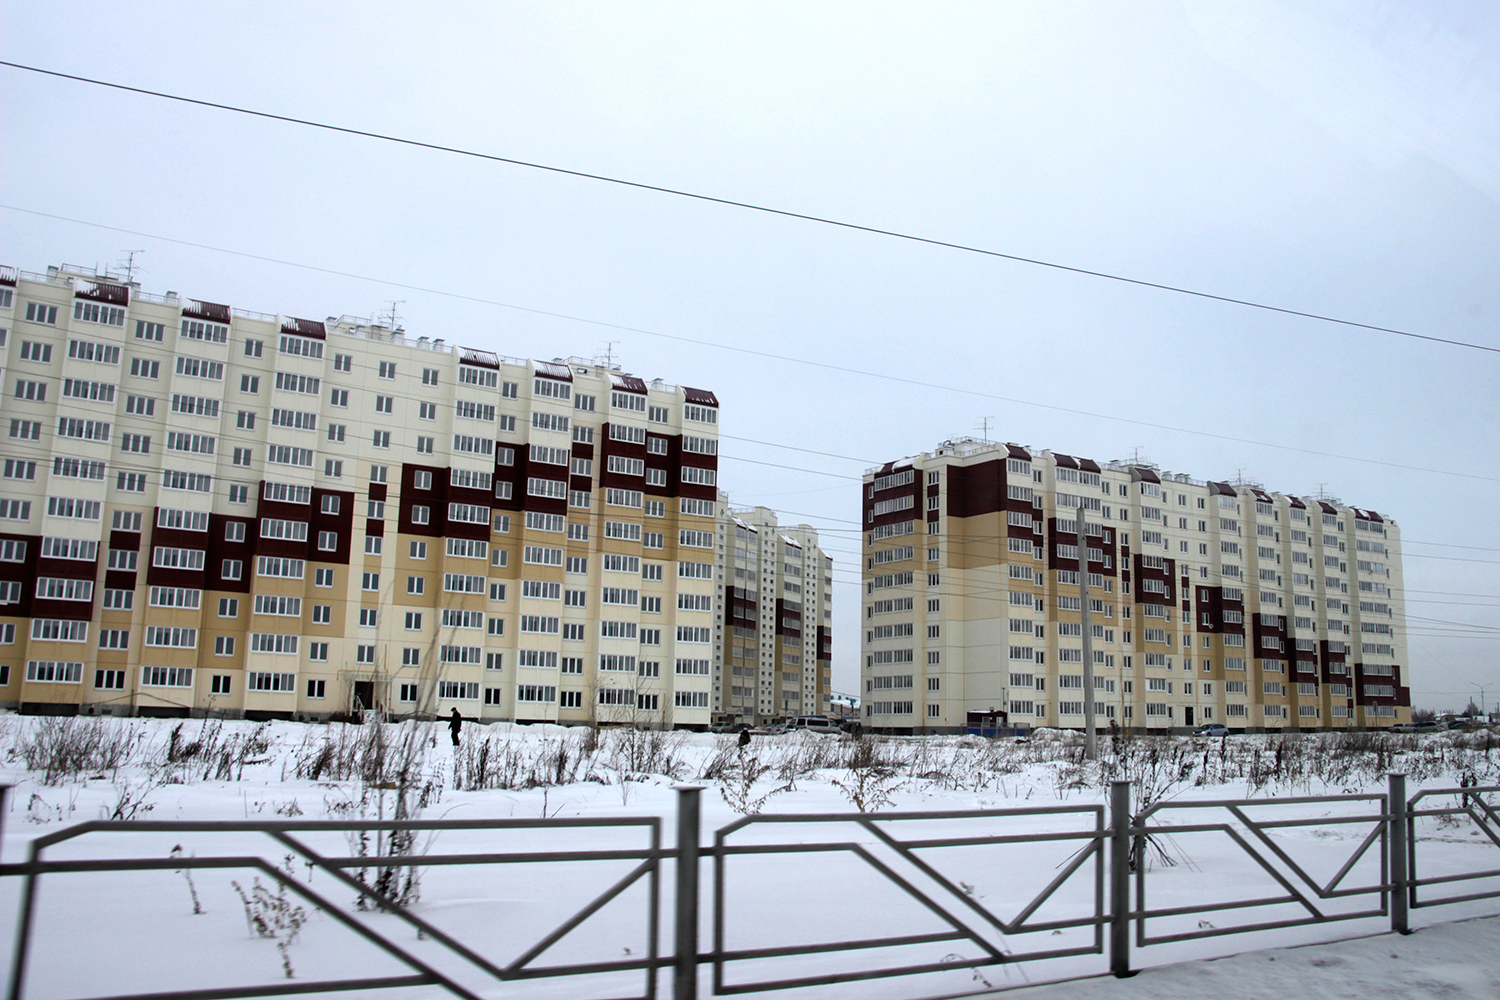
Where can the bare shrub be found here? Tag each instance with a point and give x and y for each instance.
(737, 783)
(271, 915)
(65, 748)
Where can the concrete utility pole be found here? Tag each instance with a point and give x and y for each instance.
(1090, 750)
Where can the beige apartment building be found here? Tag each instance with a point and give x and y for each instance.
(206, 508)
(773, 619)
(1210, 602)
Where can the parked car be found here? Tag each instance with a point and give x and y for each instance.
(1212, 729)
(1427, 727)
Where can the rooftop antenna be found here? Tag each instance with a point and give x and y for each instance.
(392, 319)
(984, 429)
(607, 357)
(129, 265)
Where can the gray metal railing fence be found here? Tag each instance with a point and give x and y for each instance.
(1112, 844)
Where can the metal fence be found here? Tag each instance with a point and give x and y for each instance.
(1381, 872)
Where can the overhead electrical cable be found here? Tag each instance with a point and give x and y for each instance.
(842, 369)
(749, 206)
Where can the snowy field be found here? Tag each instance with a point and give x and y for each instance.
(99, 934)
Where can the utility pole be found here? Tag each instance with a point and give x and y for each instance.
(1483, 708)
(1090, 750)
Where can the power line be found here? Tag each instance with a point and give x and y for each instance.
(842, 369)
(749, 206)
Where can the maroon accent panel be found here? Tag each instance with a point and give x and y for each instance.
(219, 549)
(976, 489)
(115, 295)
(1210, 602)
(515, 474)
(25, 572)
(1166, 576)
(679, 457)
(341, 524)
(70, 569)
(211, 311)
(912, 513)
(379, 491)
(117, 579)
(609, 448)
(585, 484)
(434, 500)
(742, 604)
(782, 613)
(304, 327)
(375, 527)
(125, 540)
(177, 538)
(1268, 626)
(469, 495)
(700, 397)
(825, 643)
(581, 450)
(43, 607)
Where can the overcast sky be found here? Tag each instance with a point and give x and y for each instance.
(1342, 159)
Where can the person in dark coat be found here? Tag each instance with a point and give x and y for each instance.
(744, 737)
(455, 724)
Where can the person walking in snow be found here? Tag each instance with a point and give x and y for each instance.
(455, 723)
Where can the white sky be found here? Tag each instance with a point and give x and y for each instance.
(1335, 158)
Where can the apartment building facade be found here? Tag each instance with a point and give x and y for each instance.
(206, 508)
(773, 618)
(1210, 602)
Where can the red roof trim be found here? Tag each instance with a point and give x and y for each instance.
(484, 359)
(304, 327)
(117, 295)
(701, 397)
(547, 369)
(211, 311)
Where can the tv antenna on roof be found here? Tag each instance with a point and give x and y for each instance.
(984, 429)
(607, 358)
(129, 265)
(391, 319)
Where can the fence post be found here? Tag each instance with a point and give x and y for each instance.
(1119, 878)
(1395, 807)
(685, 926)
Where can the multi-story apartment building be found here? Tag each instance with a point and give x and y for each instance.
(773, 619)
(204, 508)
(1210, 602)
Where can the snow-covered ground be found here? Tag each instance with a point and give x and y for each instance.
(114, 933)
